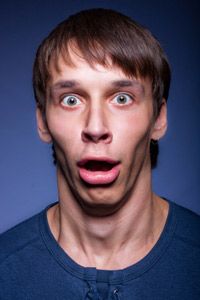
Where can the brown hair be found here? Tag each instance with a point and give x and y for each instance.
(103, 36)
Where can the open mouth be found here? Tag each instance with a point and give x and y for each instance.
(98, 172)
(94, 165)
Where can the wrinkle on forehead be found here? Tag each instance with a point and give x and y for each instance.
(115, 84)
(71, 54)
(97, 57)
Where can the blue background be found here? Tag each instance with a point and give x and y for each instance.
(27, 174)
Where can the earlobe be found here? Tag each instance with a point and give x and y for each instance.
(43, 130)
(160, 125)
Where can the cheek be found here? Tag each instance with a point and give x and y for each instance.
(133, 128)
(64, 132)
(133, 140)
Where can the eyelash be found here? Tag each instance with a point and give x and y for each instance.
(72, 97)
(121, 95)
(118, 96)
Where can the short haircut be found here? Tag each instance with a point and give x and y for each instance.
(105, 37)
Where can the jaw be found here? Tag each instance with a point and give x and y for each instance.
(101, 200)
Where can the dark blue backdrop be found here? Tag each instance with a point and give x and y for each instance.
(27, 175)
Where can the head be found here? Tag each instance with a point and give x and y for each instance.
(101, 83)
(105, 37)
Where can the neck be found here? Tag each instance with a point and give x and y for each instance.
(112, 242)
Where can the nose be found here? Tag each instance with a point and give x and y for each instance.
(96, 128)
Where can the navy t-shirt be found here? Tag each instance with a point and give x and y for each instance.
(34, 266)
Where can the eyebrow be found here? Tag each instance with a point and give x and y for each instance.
(65, 84)
(115, 83)
(128, 83)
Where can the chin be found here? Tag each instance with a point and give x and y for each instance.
(100, 203)
(99, 209)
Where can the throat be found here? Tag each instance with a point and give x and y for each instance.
(109, 243)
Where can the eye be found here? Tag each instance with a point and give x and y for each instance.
(70, 100)
(122, 99)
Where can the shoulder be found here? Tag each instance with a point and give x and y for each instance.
(19, 237)
(187, 225)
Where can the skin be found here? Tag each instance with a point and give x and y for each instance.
(104, 226)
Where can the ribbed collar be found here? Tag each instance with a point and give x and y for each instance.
(116, 276)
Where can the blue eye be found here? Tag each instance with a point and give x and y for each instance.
(70, 101)
(122, 99)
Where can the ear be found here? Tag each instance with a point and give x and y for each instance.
(160, 125)
(43, 130)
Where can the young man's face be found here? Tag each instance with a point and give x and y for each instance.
(101, 123)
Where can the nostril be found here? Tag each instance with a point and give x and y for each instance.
(96, 138)
(105, 137)
(86, 137)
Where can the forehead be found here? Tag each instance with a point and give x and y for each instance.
(79, 72)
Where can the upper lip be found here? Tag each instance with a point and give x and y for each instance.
(108, 160)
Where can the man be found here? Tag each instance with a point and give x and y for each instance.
(101, 84)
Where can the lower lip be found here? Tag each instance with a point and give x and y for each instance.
(99, 177)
